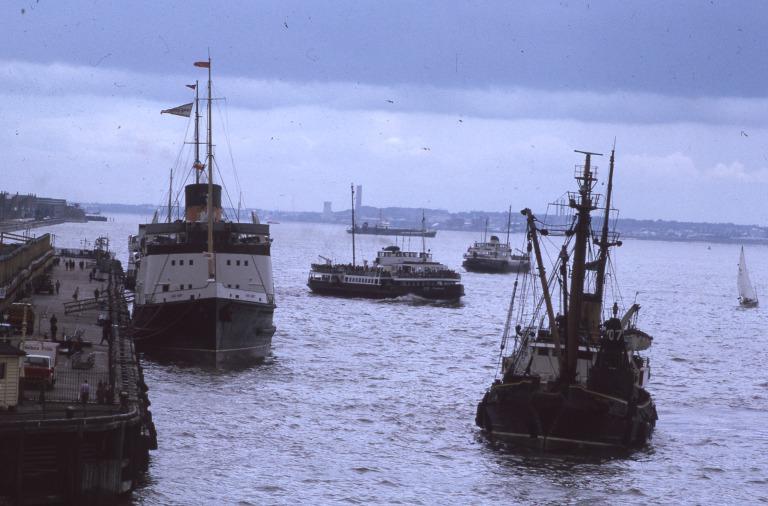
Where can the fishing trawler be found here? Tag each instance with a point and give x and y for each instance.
(493, 256)
(574, 379)
(747, 294)
(393, 273)
(203, 282)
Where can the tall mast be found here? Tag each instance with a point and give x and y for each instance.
(543, 279)
(211, 259)
(423, 236)
(485, 230)
(509, 223)
(197, 132)
(352, 187)
(583, 205)
(604, 244)
(170, 196)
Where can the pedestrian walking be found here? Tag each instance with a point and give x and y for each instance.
(58, 286)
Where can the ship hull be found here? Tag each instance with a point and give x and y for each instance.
(493, 266)
(210, 331)
(386, 291)
(572, 419)
(403, 232)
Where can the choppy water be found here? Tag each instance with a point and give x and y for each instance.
(373, 402)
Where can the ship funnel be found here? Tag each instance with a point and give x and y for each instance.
(196, 203)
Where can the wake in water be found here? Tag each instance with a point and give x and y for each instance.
(415, 300)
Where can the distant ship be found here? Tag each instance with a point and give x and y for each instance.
(394, 273)
(203, 284)
(384, 229)
(494, 256)
(574, 380)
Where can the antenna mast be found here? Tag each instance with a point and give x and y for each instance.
(352, 187)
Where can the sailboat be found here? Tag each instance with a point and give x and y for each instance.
(203, 284)
(493, 256)
(747, 295)
(575, 379)
(393, 273)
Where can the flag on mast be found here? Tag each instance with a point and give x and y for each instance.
(182, 110)
(204, 64)
(191, 86)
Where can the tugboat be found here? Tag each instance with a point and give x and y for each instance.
(493, 256)
(573, 380)
(394, 273)
(203, 284)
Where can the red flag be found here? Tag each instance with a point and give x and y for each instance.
(191, 86)
(204, 64)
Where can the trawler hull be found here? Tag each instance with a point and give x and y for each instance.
(571, 419)
(211, 331)
(493, 266)
(386, 291)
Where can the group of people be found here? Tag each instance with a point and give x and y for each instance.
(71, 265)
(104, 393)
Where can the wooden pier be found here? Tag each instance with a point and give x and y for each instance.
(55, 446)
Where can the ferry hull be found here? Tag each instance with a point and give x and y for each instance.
(210, 331)
(573, 419)
(388, 291)
(493, 266)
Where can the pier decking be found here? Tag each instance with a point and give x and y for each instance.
(55, 446)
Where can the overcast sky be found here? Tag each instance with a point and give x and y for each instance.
(453, 105)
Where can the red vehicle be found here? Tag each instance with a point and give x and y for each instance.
(39, 369)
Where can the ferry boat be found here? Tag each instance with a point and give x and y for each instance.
(494, 256)
(394, 273)
(203, 284)
(575, 380)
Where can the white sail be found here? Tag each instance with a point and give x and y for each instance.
(746, 291)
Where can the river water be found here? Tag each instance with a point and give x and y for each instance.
(373, 402)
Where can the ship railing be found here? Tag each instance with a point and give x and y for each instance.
(441, 274)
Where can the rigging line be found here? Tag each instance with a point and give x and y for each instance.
(261, 279)
(227, 137)
(226, 190)
(177, 161)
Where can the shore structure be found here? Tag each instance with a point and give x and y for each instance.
(82, 436)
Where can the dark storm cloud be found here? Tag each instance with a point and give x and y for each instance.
(676, 48)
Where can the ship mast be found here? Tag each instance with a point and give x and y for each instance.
(352, 187)
(604, 244)
(209, 199)
(197, 163)
(543, 279)
(170, 196)
(423, 237)
(509, 223)
(583, 205)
